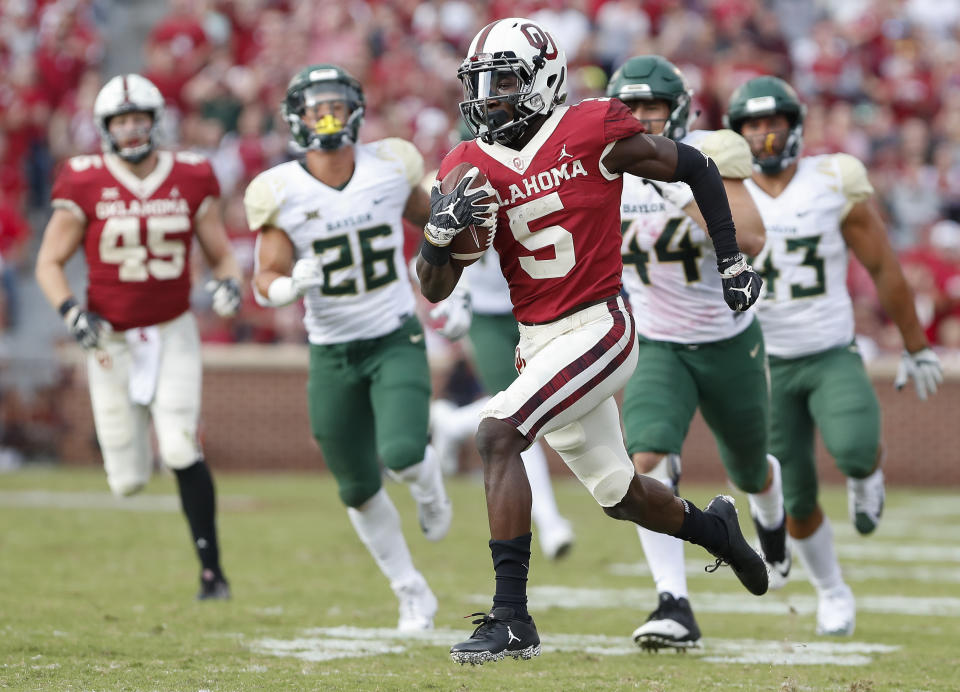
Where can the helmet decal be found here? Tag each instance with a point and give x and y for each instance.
(513, 48)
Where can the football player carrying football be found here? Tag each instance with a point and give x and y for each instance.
(135, 210)
(690, 344)
(557, 172)
(331, 232)
(816, 208)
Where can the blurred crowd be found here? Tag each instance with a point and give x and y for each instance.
(881, 80)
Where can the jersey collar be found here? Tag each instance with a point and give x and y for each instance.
(141, 187)
(519, 161)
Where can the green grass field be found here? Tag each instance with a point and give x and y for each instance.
(97, 594)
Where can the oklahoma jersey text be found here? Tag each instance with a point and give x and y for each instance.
(558, 228)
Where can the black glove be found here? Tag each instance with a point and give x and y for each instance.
(88, 328)
(741, 285)
(452, 212)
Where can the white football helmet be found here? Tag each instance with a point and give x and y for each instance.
(523, 48)
(124, 94)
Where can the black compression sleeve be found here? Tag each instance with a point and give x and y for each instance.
(702, 175)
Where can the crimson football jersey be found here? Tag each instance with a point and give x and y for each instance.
(558, 228)
(138, 232)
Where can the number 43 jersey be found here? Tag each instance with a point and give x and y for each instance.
(805, 307)
(669, 265)
(138, 232)
(356, 231)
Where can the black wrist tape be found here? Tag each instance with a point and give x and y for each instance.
(66, 306)
(437, 256)
(703, 177)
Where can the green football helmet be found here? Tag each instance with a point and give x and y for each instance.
(653, 78)
(316, 84)
(765, 96)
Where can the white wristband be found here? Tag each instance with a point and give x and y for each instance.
(281, 291)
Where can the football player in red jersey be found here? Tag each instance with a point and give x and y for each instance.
(135, 210)
(556, 172)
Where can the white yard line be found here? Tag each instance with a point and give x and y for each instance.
(328, 643)
(853, 571)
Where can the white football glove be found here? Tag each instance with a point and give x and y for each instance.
(456, 309)
(452, 212)
(226, 296)
(924, 367)
(307, 273)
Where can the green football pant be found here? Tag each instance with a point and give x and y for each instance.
(832, 392)
(726, 379)
(369, 402)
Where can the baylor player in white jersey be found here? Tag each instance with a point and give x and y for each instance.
(330, 231)
(481, 306)
(814, 209)
(691, 346)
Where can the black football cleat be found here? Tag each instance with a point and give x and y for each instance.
(670, 626)
(499, 633)
(213, 589)
(746, 563)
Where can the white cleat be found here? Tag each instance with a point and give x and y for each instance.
(836, 612)
(865, 498)
(418, 605)
(556, 539)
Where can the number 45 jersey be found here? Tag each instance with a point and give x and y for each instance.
(356, 231)
(138, 232)
(805, 307)
(669, 265)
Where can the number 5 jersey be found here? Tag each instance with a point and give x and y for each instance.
(138, 232)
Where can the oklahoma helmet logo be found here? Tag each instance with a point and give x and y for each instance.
(539, 38)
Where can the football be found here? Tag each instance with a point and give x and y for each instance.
(469, 245)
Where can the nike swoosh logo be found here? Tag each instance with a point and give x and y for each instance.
(378, 200)
(754, 351)
(416, 338)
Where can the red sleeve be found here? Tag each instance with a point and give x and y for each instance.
(63, 184)
(619, 123)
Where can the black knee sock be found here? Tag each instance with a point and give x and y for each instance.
(511, 561)
(199, 505)
(702, 529)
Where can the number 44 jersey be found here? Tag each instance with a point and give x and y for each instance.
(356, 231)
(669, 265)
(138, 232)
